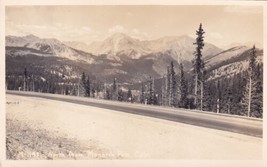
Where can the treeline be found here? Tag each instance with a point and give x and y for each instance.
(238, 94)
(58, 83)
(231, 95)
(109, 91)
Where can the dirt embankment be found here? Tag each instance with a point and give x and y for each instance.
(24, 142)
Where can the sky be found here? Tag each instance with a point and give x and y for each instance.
(223, 25)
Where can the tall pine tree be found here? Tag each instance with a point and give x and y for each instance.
(250, 94)
(253, 96)
(257, 100)
(198, 64)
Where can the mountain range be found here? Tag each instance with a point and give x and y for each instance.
(178, 47)
(129, 59)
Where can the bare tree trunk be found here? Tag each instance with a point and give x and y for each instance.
(78, 89)
(24, 84)
(195, 101)
(32, 83)
(162, 92)
(249, 96)
(166, 91)
(105, 91)
(201, 98)
(171, 91)
(218, 105)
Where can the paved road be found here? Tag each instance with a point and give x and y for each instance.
(247, 126)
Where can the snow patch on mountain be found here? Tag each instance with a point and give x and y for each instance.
(47, 46)
(119, 44)
(20, 52)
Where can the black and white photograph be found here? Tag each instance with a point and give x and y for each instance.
(134, 82)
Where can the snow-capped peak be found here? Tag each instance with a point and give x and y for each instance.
(119, 44)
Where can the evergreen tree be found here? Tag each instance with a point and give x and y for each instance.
(237, 88)
(257, 100)
(243, 77)
(142, 96)
(93, 92)
(66, 91)
(183, 88)
(83, 85)
(163, 91)
(151, 91)
(218, 96)
(25, 79)
(208, 99)
(115, 89)
(252, 98)
(120, 95)
(199, 66)
(108, 94)
(168, 85)
(129, 95)
(173, 95)
(88, 87)
(83, 79)
(250, 89)
(252, 63)
(226, 99)
(73, 91)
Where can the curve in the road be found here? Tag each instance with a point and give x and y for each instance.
(216, 122)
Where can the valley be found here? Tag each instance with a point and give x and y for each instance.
(57, 67)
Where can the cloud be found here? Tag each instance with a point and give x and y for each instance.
(211, 37)
(138, 34)
(57, 30)
(87, 29)
(244, 9)
(59, 24)
(117, 28)
(214, 35)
